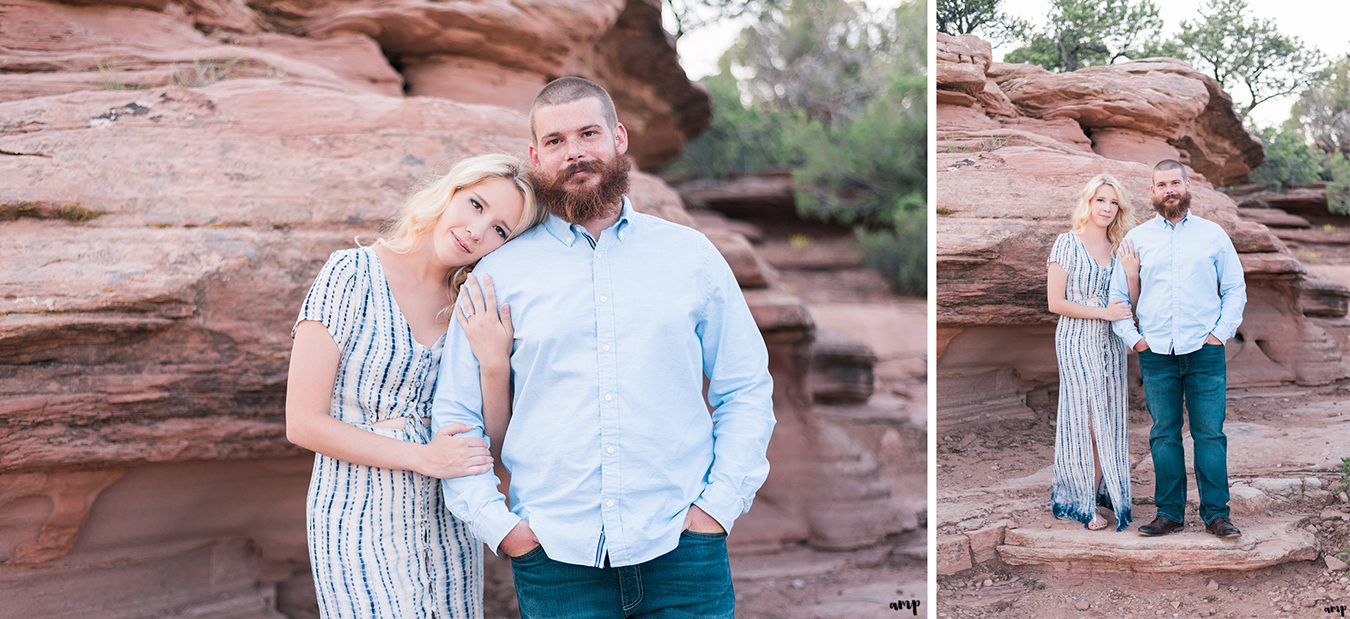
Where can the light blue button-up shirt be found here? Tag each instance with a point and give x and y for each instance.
(1190, 285)
(610, 440)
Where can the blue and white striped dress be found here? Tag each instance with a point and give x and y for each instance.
(381, 542)
(1091, 391)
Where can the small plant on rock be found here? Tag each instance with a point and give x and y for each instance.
(1343, 484)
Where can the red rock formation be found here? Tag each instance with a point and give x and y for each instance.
(176, 172)
(1015, 146)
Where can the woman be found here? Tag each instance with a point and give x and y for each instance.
(363, 369)
(1092, 465)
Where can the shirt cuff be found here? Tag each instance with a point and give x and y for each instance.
(721, 503)
(493, 524)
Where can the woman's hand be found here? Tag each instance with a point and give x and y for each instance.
(487, 326)
(1129, 259)
(1116, 311)
(449, 456)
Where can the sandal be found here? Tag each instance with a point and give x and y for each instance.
(1098, 522)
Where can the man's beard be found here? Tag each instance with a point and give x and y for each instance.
(583, 205)
(1172, 212)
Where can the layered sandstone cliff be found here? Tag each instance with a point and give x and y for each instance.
(1015, 145)
(175, 173)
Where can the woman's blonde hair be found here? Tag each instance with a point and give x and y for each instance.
(422, 209)
(1115, 232)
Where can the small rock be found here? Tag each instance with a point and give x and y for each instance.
(1307, 603)
(798, 584)
(1335, 564)
(966, 441)
(1312, 482)
(1212, 586)
(1082, 605)
(1176, 604)
(987, 583)
(1048, 525)
(1345, 498)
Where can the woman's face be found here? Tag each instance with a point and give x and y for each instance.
(478, 220)
(1104, 206)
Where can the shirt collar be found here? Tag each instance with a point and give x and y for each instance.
(1163, 222)
(567, 232)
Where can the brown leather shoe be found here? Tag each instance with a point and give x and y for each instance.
(1223, 527)
(1162, 525)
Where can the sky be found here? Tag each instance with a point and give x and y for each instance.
(1313, 21)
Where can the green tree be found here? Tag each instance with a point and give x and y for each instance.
(1289, 159)
(979, 17)
(1338, 184)
(870, 169)
(685, 16)
(741, 138)
(1082, 33)
(1322, 112)
(812, 56)
(957, 17)
(837, 93)
(1249, 56)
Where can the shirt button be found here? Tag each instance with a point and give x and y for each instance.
(605, 348)
(610, 450)
(603, 298)
(609, 503)
(599, 255)
(609, 396)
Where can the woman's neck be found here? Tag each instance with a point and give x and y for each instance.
(1093, 232)
(419, 263)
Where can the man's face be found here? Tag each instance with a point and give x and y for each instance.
(570, 135)
(1171, 193)
(580, 164)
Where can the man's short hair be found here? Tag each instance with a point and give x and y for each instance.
(1171, 164)
(569, 89)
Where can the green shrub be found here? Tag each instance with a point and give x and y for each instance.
(900, 255)
(1289, 160)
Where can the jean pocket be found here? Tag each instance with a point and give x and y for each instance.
(537, 553)
(703, 536)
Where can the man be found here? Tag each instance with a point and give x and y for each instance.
(623, 487)
(1191, 295)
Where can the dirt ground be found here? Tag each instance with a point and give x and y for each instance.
(1006, 467)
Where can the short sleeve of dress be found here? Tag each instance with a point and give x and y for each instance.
(1062, 252)
(333, 299)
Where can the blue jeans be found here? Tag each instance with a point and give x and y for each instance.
(693, 580)
(1200, 379)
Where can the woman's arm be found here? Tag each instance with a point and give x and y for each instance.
(1056, 281)
(309, 424)
(489, 331)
